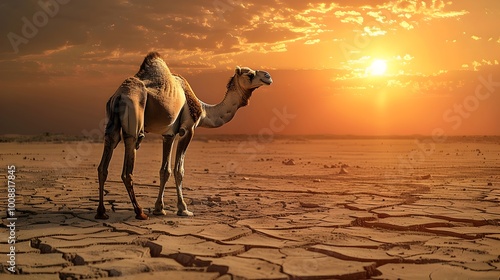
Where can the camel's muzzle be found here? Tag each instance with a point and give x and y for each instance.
(267, 78)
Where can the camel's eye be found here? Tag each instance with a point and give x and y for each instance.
(250, 76)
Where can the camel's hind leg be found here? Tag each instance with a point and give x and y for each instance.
(111, 140)
(165, 172)
(132, 106)
(185, 138)
(128, 168)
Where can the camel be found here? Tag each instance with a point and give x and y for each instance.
(158, 101)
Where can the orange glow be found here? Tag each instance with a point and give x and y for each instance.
(349, 67)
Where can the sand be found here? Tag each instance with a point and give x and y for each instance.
(345, 209)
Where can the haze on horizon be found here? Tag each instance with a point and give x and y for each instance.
(384, 67)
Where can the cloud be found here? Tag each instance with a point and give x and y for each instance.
(341, 14)
(321, 8)
(442, 83)
(408, 57)
(352, 19)
(215, 28)
(349, 16)
(406, 25)
(85, 37)
(374, 31)
(429, 8)
(378, 16)
(312, 42)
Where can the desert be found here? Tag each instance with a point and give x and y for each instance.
(291, 208)
(301, 139)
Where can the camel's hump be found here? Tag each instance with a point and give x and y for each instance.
(149, 59)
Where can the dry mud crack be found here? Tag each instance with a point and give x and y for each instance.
(272, 221)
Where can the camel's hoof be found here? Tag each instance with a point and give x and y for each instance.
(159, 212)
(141, 216)
(185, 213)
(101, 216)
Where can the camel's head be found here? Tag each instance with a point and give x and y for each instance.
(249, 79)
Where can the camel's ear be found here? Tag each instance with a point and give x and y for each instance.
(237, 70)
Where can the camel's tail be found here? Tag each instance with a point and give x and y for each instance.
(112, 114)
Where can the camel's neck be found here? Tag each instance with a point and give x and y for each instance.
(218, 115)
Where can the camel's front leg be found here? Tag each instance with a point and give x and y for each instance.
(185, 138)
(165, 172)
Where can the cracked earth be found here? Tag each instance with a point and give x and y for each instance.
(397, 210)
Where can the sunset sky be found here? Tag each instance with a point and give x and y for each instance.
(345, 67)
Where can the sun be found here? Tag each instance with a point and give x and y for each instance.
(377, 68)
